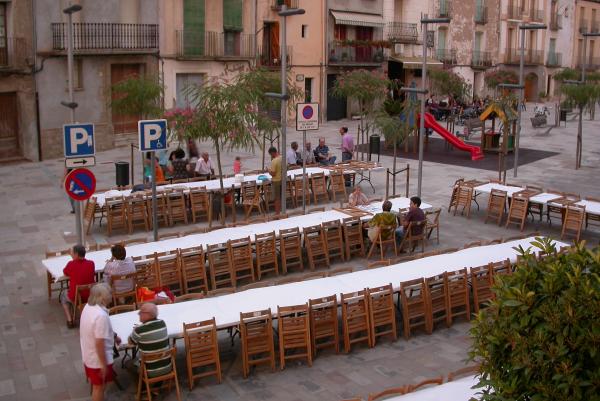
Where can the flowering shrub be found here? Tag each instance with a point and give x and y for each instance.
(493, 78)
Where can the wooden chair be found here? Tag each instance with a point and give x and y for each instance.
(594, 218)
(169, 272)
(467, 371)
(137, 212)
(353, 237)
(433, 223)
(436, 295)
(202, 350)
(115, 310)
(454, 195)
(390, 392)
(457, 290)
(126, 296)
(415, 233)
(337, 186)
(64, 283)
(146, 382)
(382, 312)
(496, 206)
(266, 254)
(437, 381)
(79, 304)
(294, 333)
(200, 205)
(334, 237)
(472, 244)
(147, 273)
(414, 306)
(503, 267)
(116, 214)
(256, 332)
(481, 282)
(318, 186)
(299, 190)
(464, 198)
(324, 331)
(290, 248)
(176, 206)
(251, 198)
(355, 319)
(91, 213)
(162, 210)
(219, 263)
(189, 297)
(378, 263)
(517, 213)
(242, 263)
(316, 246)
(192, 264)
(574, 217)
(555, 207)
(340, 270)
(390, 231)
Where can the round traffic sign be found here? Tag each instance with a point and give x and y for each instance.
(80, 184)
(307, 112)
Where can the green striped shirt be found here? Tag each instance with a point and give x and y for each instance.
(152, 336)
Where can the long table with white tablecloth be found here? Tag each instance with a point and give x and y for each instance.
(226, 308)
(457, 390)
(55, 265)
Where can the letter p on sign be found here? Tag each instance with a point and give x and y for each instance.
(79, 140)
(152, 135)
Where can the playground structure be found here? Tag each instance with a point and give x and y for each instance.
(502, 139)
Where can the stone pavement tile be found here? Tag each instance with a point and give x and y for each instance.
(27, 343)
(38, 382)
(47, 358)
(7, 388)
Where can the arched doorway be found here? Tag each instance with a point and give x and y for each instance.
(531, 85)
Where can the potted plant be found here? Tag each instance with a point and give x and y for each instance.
(378, 56)
(344, 56)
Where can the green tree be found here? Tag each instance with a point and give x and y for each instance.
(539, 339)
(139, 96)
(494, 77)
(444, 82)
(366, 87)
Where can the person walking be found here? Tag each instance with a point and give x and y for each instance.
(97, 340)
(275, 171)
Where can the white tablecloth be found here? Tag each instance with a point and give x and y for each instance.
(55, 265)
(226, 308)
(591, 207)
(458, 390)
(397, 204)
(487, 188)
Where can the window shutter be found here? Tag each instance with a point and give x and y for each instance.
(193, 27)
(232, 15)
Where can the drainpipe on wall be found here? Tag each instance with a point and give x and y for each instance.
(33, 71)
(255, 30)
(324, 63)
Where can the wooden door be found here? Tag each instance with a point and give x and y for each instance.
(363, 53)
(122, 123)
(9, 126)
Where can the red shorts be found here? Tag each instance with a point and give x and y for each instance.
(95, 375)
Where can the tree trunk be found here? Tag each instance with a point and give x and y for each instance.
(264, 150)
(218, 150)
(579, 139)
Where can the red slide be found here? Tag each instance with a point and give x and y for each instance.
(430, 122)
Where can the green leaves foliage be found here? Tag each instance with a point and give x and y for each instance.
(539, 339)
(138, 96)
(444, 82)
(494, 77)
(362, 85)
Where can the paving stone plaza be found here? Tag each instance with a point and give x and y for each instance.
(42, 358)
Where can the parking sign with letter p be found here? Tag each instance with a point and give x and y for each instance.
(79, 140)
(152, 135)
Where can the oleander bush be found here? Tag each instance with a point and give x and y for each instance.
(539, 339)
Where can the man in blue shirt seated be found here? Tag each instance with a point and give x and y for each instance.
(322, 153)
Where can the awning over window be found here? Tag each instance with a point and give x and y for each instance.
(416, 63)
(358, 19)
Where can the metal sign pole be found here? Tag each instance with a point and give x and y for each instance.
(304, 173)
(154, 211)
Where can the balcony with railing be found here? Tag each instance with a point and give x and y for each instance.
(444, 9)
(276, 4)
(536, 15)
(513, 56)
(583, 26)
(15, 53)
(402, 32)
(514, 11)
(554, 59)
(481, 59)
(555, 22)
(481, 14)
(355, 53)
(446, 56)
(210, 45)
(595, 28)
(592, 63)
(270, 57)
(101, 37)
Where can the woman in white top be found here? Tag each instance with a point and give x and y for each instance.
(357, 198)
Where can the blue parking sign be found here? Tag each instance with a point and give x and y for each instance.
(152, 135)
(79, 140)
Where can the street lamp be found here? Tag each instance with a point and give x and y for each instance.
(72, 105)
(284, 13)
(580, 124)
(522, 28)
(424, 22)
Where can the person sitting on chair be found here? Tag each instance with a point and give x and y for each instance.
(152, 336)
(385, 218)
(119, 265)
(322, 153)
(80, 271)
(357, 197)
(414, 214)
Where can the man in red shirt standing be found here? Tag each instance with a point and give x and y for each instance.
(80, 271)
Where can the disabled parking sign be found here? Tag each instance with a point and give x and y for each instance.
(80, 184)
